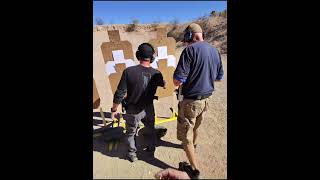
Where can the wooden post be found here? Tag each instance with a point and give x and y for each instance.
(103, 119)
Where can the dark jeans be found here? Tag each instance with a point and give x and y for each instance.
(147, 116)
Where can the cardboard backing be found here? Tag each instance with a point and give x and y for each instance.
(116, 44)
(167, 72)
(114, 78)
(96, 98)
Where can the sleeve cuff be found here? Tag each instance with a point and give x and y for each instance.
(183, 80)
(219, 78)
(116, 101)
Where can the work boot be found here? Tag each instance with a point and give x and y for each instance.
(193, 174)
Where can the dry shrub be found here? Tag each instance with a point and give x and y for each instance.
(99, 21)
(133, 25)
(175, 30)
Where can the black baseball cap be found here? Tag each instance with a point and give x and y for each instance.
(146, 50)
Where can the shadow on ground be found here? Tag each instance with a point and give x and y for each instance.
(106, 114)
(109, 148)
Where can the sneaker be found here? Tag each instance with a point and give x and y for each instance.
(132, 158)
(195, 174)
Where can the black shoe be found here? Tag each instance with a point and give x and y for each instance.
(193, 174)
(132, 158)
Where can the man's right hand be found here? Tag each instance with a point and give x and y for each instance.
(114, 111)
(113, 115)
(176, 82)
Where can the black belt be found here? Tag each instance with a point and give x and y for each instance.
(200, 97)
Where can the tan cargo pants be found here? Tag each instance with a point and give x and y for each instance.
(190, 115)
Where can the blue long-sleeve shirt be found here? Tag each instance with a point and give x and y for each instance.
(198, 67)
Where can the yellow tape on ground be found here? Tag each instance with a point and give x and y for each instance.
(166, 120)
(157, 121)
(122, 124)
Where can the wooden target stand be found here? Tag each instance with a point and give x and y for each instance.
(161, 40)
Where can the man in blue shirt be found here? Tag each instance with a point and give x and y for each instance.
(198, 68)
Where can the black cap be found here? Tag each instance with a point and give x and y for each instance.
(146, 50)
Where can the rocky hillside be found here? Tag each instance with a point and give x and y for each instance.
(214, 27)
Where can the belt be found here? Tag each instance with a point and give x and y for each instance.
(199, 97)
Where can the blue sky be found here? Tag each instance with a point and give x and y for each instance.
(122, 12)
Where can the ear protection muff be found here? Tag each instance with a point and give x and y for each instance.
(138, 53)
(152, 57)
(187, 36)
